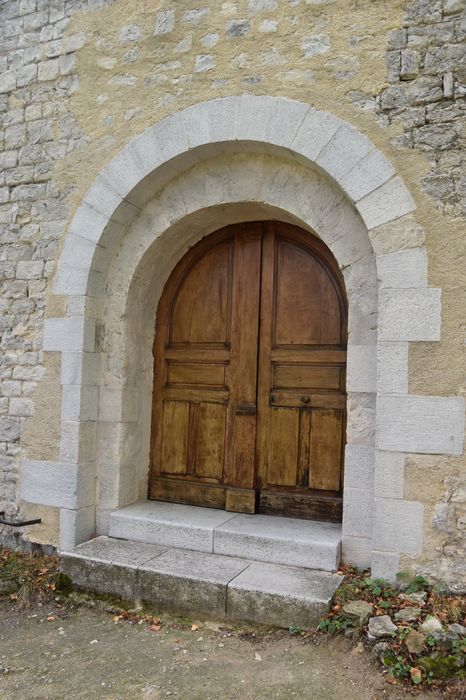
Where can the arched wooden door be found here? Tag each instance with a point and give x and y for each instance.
(249, 387)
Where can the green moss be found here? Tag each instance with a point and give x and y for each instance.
(442, 667)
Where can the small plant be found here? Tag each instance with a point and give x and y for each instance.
(396, 665)
(401, 633)
(295, 629)
(334, 625)
(458, 646)
(412, 584)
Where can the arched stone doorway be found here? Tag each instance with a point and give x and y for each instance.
(249, 376)
(178, 181)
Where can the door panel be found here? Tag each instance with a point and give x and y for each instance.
(326, 449)
(201, 309)
(195, 374)
(300, 376)
(205, 369)
(210, 441)
(175, 437)
(301, 392)
(304, 295)
(249, 385)
(282, 447)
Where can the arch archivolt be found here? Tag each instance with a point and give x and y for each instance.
(215, 163)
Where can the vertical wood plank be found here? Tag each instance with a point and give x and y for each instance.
(326, 448)
(283, 447)
(304, 452)
(264, 383)
(210, 441)
(175, 437)
(192, 438)
(240, 466)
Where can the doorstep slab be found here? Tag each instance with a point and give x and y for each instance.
(106, 565)
(200, 582)
(189, 581)
(281, 595)
(301, 543)
(168, 524)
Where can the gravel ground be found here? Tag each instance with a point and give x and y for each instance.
(78, 652)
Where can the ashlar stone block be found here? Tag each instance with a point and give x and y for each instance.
(344, 150)
(362, 368)
(74, 334)
(389, 474)
(76, 526)
(80, 368)
(398, 525)
(57, 483)
(409, 314)
(357, 511)
(422, 424)
(314, 133)
(356, 551)
(405, 268)
(392, 368)
(388, 202)
(372, 171)
(79, 403)
(359, 466)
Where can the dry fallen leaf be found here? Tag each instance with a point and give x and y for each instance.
(391, 680)
(194, 628)
(50, 618)
(154, 628)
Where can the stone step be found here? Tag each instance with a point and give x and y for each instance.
(186, 581)
(265, 538)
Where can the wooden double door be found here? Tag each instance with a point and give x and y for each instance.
(249, 388)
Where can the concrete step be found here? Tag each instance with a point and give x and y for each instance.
(186, 581)
(266, 538)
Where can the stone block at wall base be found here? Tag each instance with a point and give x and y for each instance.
(76, 526)
(385, 565)
(356, 551)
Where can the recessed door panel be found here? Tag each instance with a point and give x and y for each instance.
(201, 308)
(210, 441)
(305, 305)
(175, 435)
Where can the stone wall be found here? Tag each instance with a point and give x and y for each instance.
(80, 78)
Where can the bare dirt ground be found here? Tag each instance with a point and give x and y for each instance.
(58, 652)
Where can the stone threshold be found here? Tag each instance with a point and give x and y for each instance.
(263, 538)
(214, 585)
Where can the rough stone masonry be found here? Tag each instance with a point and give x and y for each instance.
(80, 78)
